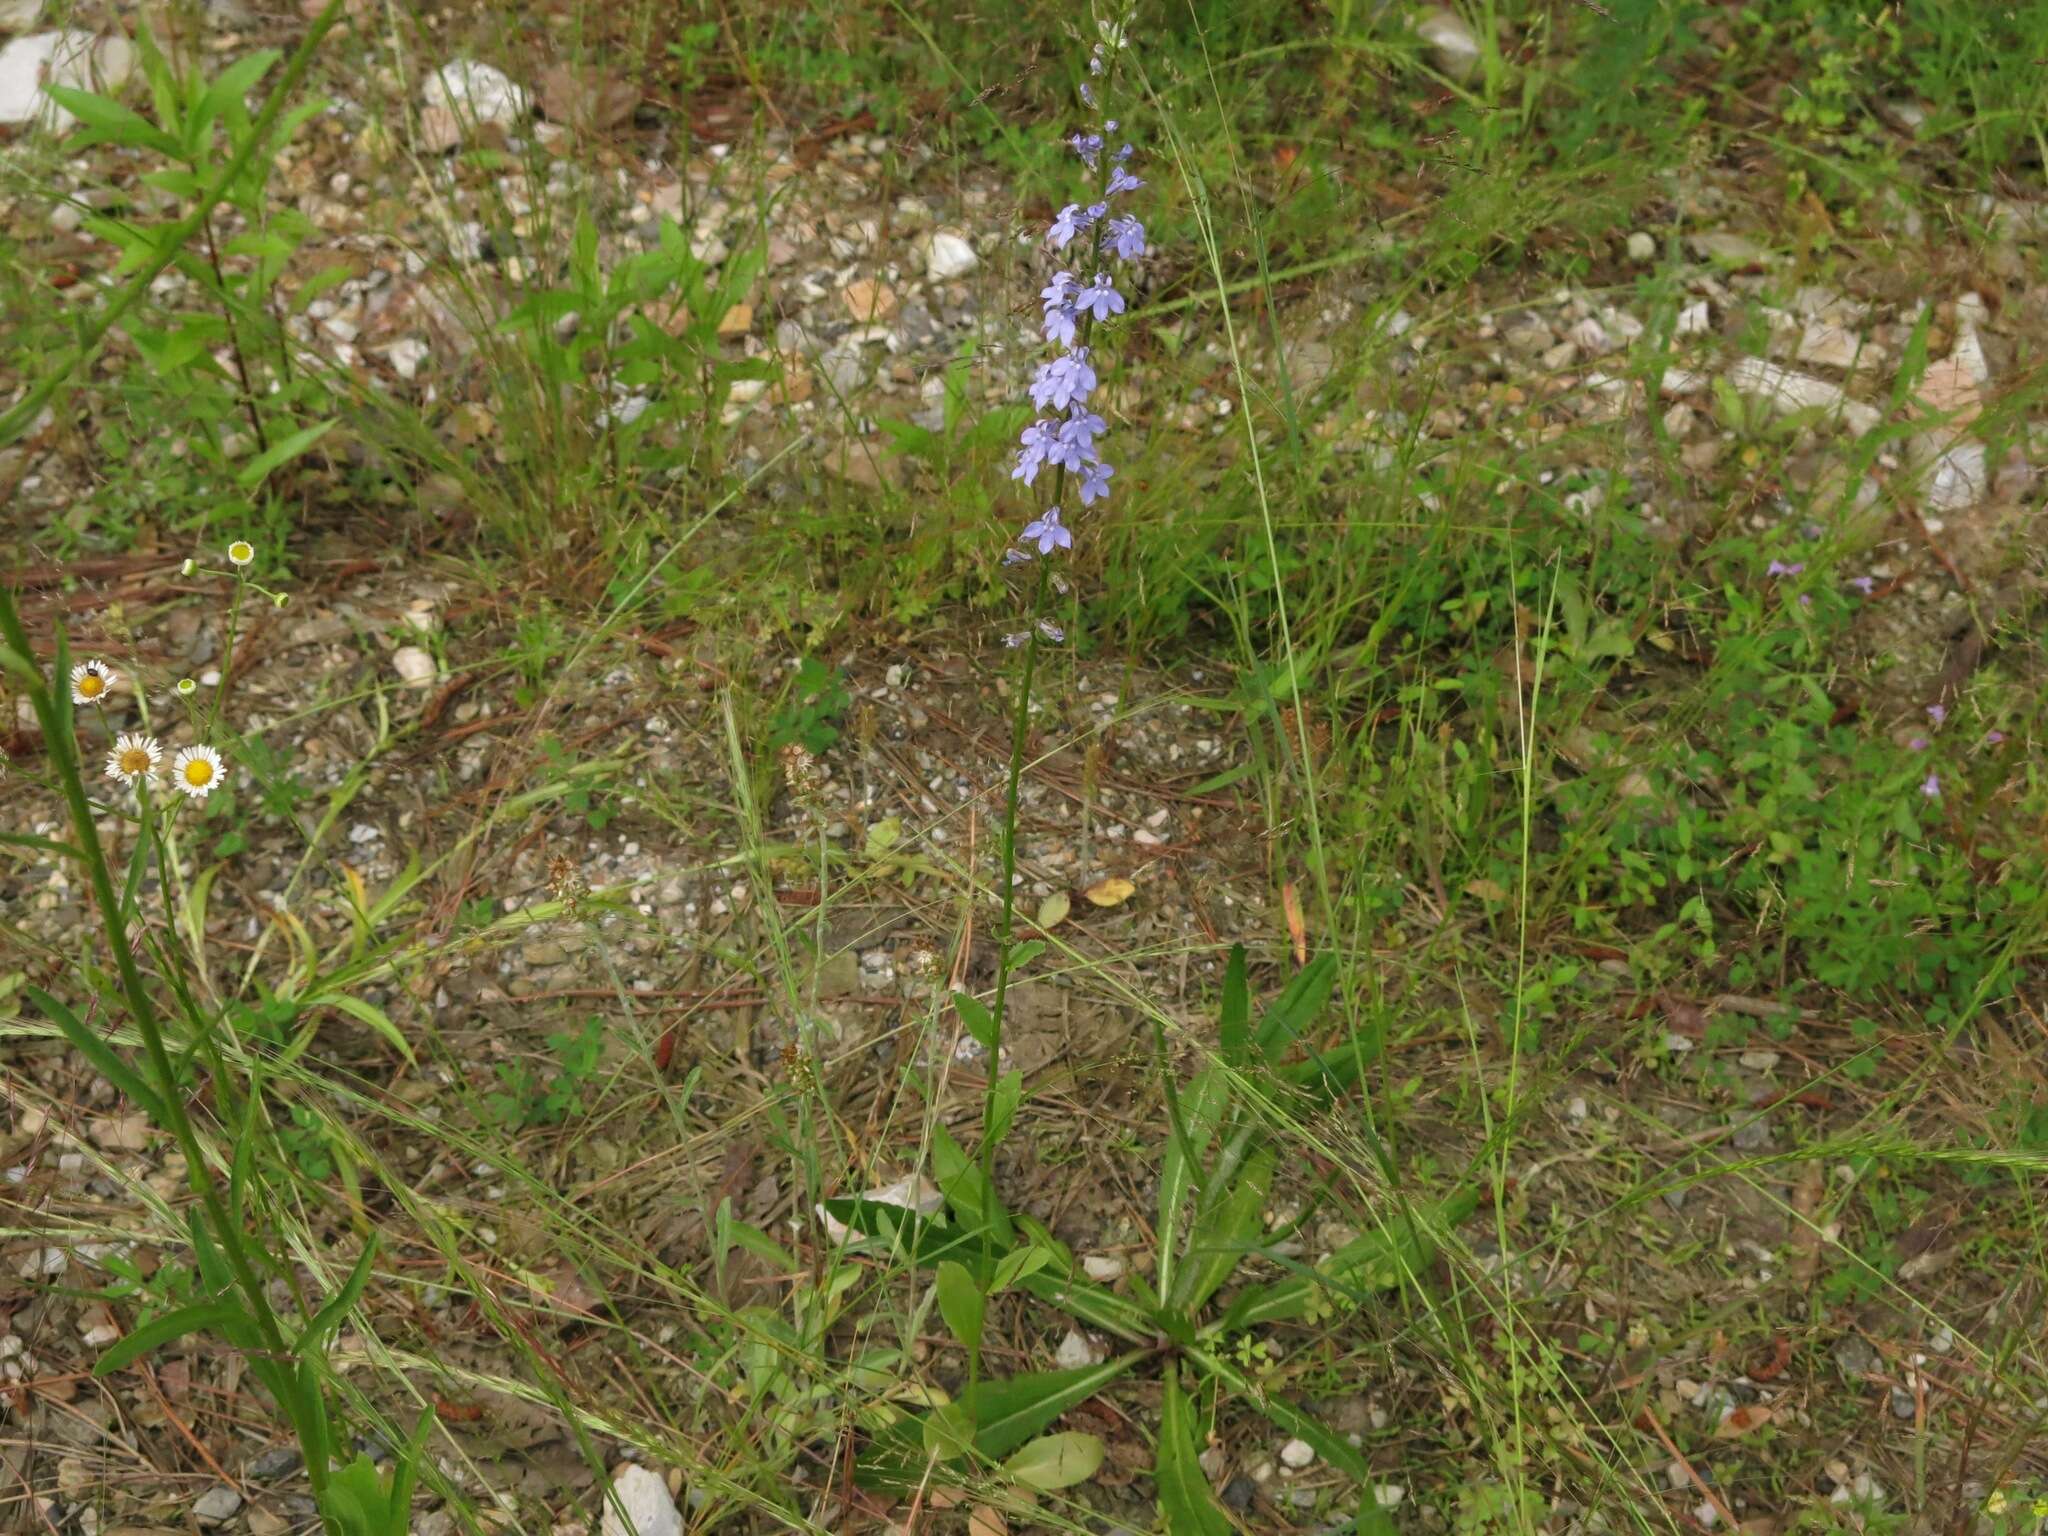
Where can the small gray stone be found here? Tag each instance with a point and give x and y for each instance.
(1642, 247)
(949, 256)
(644, 1497)
(218, 1505)
(278, 1461)
(1753, 1135)
(1855, 1358)
(1452, 47)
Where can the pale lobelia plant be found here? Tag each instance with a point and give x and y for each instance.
(194, 1080)
(1221, 1147)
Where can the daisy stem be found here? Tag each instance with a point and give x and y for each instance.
(227, 658)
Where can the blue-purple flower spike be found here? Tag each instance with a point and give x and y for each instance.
(1067, 435)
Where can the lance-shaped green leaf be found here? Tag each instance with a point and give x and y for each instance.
(159, 1331)
(101, 1055)
(1186, 1503)
(1223, 1233)
(961, 1304)
(1193, 1118)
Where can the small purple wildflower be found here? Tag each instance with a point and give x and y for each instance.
(1121, 180)
(1061, 325)
(1126, 238)
(1087, 146)
(1016, 556)
(1048, 532)
(1039, 440)
(1068, 454)
(1126, 152)
(1864, 584)
(1100, 298)
(1081, 428)
(1993, 738)
(1016, 641)
(1051, 631)
(1063, 382)
(1059, 289)
(1938, 713)
(1087, 94)
(1917, 744)
(1782, 568)
(1931, 787)
(1806, 599)
(1071, 221)
(1095, 482)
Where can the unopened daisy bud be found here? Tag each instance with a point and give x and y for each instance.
(188, 567)
(187, 687)
(134, 757)
(280, 598)
(90, 682)
(197, 771)
(241, 552)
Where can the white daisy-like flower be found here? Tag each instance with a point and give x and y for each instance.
(90, 682)
(134, 756)
(241, 552)
(196, 771)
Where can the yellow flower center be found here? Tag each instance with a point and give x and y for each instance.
(134, 761)
(91, 684)
(198, 772)
(241, 553)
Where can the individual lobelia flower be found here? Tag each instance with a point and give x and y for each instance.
(1099, 298)
(1125, 237)
(91, 681)
(133, 757)
(196, 771)
(1095, 481)
(1048, 532)
(1062, 319)
(241, 552)
(1066, 380)
(1931, 788)
(1040, 440)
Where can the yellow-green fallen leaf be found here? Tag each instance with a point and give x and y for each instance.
(1056, 1461)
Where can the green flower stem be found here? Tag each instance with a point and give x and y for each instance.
(1020, 728)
